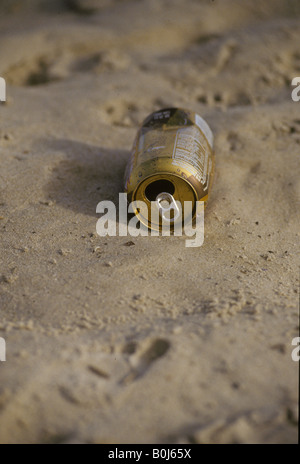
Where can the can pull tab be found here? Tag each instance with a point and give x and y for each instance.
(167, 204)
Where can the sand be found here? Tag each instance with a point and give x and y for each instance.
(149, 341)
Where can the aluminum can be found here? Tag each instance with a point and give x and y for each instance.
(172, 161)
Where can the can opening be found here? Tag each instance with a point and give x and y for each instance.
(157, 187)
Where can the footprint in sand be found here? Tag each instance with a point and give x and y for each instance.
(142, 361)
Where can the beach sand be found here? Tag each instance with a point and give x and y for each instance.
(141, 339)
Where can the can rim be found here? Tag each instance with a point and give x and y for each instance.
(161, 175)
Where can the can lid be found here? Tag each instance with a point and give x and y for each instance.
(159, 189)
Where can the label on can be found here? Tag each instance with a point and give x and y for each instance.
(192, 151)
(204, 127)
(172, 142)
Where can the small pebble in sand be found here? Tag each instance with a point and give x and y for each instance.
(64, 252)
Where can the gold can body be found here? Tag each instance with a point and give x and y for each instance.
(172, 153)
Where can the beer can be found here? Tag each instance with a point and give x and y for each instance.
(172, 163)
